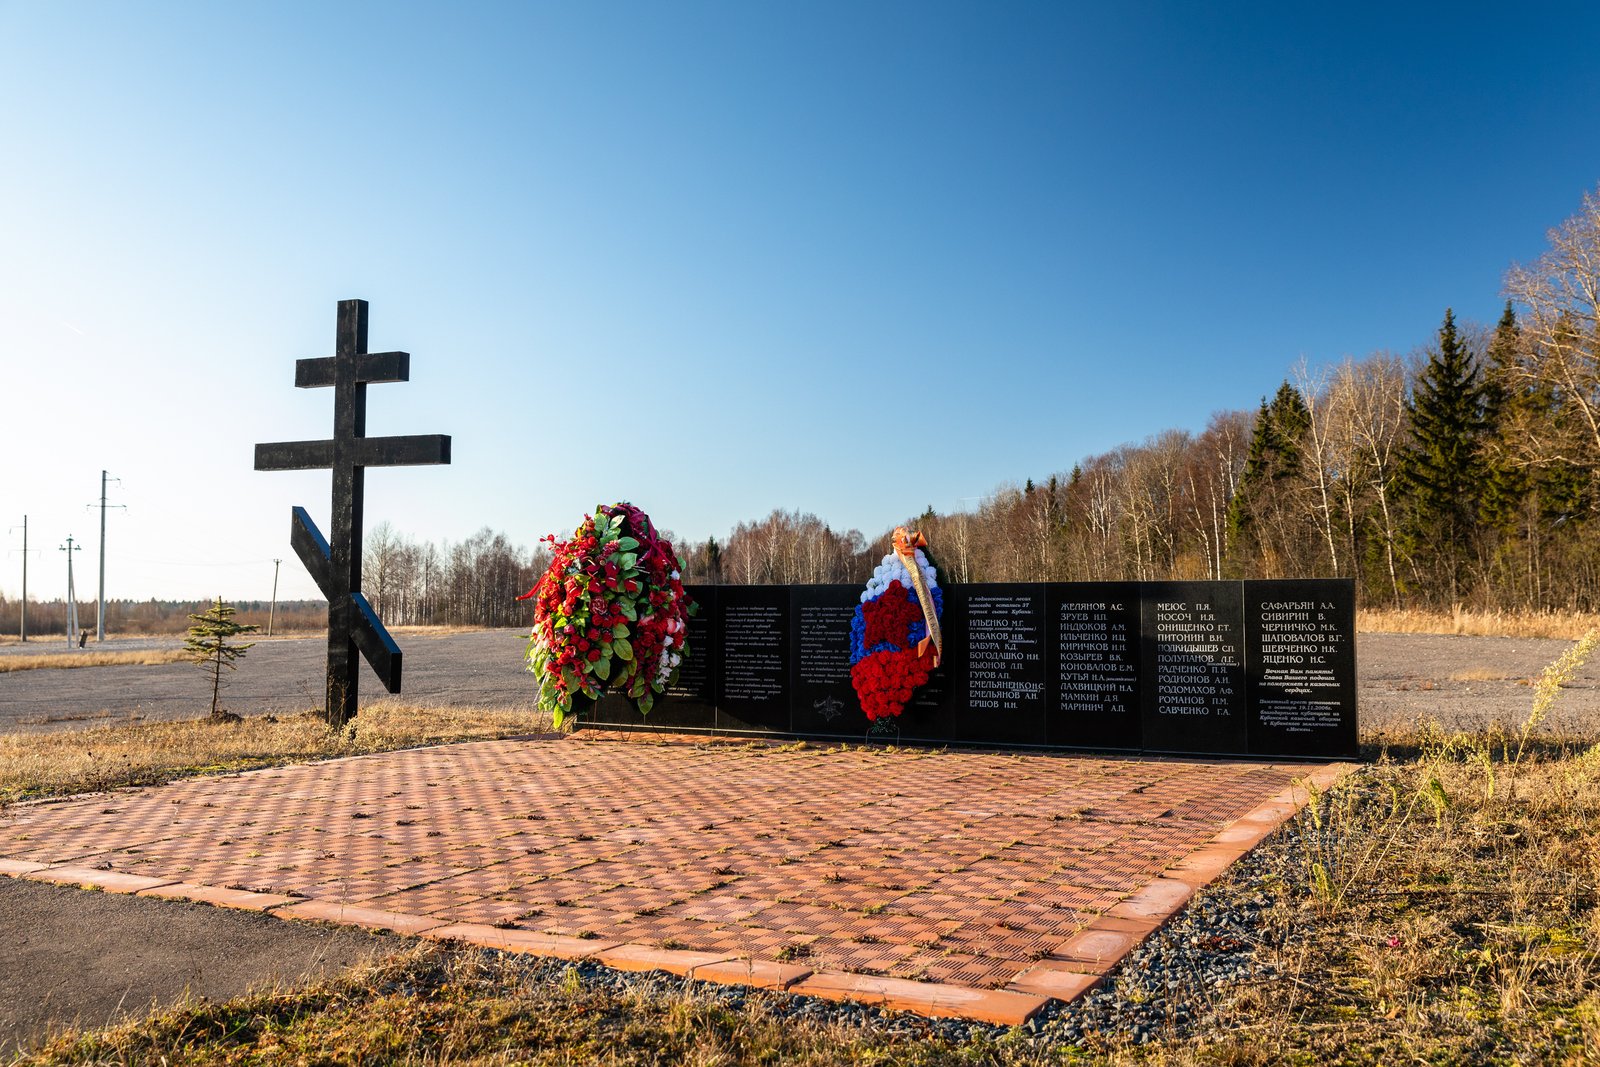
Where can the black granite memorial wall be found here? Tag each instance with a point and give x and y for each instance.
(1254, 668)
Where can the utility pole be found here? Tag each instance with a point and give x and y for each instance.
(22, 610)
(72, 592)
(273, 610)
(100, 600)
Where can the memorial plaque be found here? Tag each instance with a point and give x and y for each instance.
(994, 648)
(753, 636)
(1093, 660)
(1192, 666)
(692, 702)
(823, 698)
(1201, 668)
(1302, 667)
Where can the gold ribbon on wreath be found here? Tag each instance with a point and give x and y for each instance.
(906, 544)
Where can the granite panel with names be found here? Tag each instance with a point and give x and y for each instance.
(1207, 668)
(822, 698)
(995, 642)
(1093, 660)
(754, 638)
(692, 702)
(1302, 667)
(1192, 666)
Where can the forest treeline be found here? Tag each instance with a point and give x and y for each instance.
(1463, 473)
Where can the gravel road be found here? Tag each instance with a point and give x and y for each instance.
(1461, 681)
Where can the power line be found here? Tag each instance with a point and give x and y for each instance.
(72, 592)
(22, 610)
(273, 610)
(100, 599)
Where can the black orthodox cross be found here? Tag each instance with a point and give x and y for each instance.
(352, 624)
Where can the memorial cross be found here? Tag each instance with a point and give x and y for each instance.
(352, 624)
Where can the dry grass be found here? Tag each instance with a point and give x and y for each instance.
(1443, 908)
(442, 631)
(435, 1006)
(70, 660)
(1565, 625)
(107, 757)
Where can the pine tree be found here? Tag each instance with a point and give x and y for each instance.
(1505, 485)
(1442, 473)
(210, 646)
(713, 562)
(1272, 466)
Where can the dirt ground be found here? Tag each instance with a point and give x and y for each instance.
(1460, 681)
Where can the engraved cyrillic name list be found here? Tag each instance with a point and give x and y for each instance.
(1096, 663)
(1299, 643)
(825, 643)
(694, 672)
(1196, 649)
(1004, 661)
(752, 657)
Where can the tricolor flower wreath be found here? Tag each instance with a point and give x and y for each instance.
(892, 650)
(609, 613)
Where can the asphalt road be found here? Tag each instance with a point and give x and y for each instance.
(1461, 681)
(478, 669)
(90, 959)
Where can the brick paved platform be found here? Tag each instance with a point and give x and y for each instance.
(976, 884)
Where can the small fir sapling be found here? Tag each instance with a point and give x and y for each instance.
(211, 646)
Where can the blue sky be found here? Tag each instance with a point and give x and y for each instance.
(721, 258)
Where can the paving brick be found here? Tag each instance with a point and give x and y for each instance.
(1158, 900)
(763, 974)
(648, 958)
(243, 899)
(350, 915)
(536, 944)
(1049, 979)
(89, 878)
(1002, 1007)
(18, 868)
(1095, 951)
(1203, 866)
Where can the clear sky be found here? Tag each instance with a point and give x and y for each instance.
(853, 259)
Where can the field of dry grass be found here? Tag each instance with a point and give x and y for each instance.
(106, 757)
(1567, 626)
(72, 660)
